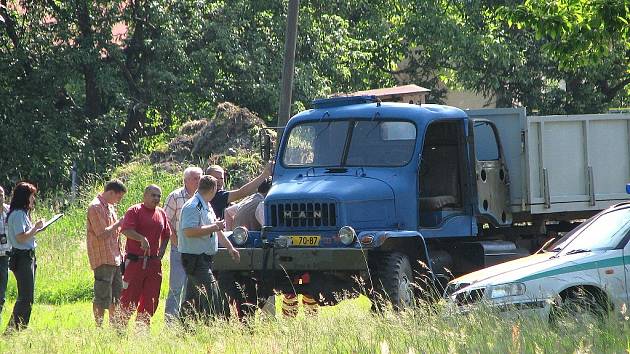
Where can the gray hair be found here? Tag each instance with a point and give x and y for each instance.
(214, 168)
(192, 169)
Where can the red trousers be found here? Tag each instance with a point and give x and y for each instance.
(141, 288)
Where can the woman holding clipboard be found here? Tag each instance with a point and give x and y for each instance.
(21, 234)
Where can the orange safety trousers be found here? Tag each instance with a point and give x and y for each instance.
(290, 305)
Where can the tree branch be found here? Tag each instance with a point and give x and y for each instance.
(611, 92)
(9, 24)
(11, 28)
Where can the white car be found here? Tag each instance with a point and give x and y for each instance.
(589, 266)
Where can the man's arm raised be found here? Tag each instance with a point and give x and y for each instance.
(252, 186)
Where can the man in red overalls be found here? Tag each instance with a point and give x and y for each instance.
(147, 229)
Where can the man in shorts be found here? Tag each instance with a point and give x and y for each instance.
(103, 246)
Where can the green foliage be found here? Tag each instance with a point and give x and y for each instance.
(240, 168)
(74, 93)
(478, 46)
(578, 33)
(585, 43)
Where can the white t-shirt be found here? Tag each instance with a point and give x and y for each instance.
(6, 246)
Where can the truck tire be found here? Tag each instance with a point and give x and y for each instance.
(392, 281)
(238, 294)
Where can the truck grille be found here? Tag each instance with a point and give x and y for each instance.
(303, 214)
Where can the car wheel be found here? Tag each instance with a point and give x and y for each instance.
(578, 305)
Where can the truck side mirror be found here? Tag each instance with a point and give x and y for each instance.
(628, 188)
(265, 146)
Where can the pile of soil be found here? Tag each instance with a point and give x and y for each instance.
(232, 128)
(232, 132)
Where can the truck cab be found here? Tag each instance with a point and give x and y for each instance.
(365, 197)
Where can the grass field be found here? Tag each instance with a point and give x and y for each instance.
(62, 318)
(346, 328)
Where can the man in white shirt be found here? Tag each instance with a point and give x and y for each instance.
(250, 212)
(173, 207)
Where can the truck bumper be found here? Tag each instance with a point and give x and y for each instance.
(293, 259)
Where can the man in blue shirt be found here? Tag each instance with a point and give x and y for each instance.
(198, 236)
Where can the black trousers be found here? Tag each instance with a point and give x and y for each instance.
(201, 298)
(23, 264)
(4, 278)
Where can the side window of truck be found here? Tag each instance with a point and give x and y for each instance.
(485, 142)
(299, 149)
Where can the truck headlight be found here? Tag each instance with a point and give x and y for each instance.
(505, 290)
(347, 235)
(239, 235)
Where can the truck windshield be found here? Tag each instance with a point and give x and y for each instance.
(603, 232)
(350, 143)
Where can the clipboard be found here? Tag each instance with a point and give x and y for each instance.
(51, 221)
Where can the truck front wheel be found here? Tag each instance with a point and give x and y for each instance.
(239, 294)
(392, 281)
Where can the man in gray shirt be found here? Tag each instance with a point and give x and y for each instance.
(198, 236)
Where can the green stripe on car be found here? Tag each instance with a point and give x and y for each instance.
(610, 262)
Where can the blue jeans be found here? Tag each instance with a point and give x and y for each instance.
(176, 281)
(4, 277)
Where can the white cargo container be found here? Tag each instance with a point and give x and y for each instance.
(569, 165)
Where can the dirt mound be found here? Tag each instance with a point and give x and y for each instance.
(232, 128)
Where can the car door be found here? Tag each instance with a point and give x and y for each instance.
(493, 186)
(612, 274)
(626, 266)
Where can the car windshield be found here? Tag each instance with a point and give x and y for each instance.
(350, 143)
(602, 232)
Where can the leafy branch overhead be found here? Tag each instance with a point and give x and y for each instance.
(97, 83)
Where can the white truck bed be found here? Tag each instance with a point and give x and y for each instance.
(561, 164)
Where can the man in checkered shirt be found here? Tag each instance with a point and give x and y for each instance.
(103, 246)
(173, 207)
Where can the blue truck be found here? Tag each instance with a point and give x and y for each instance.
(393, 200)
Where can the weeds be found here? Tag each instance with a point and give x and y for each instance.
(62, 316)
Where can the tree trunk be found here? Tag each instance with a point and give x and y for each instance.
(86, 40)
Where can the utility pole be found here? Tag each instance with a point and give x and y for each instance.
(289, 65)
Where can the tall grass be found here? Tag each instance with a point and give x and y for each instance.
(62, 318)
(347, 328)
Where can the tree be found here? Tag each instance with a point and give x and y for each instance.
(472, 44)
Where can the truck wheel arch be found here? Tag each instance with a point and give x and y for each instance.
(413, 246)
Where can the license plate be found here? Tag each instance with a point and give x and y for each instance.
(305, 240)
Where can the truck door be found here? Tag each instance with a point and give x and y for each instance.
(491, 173)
